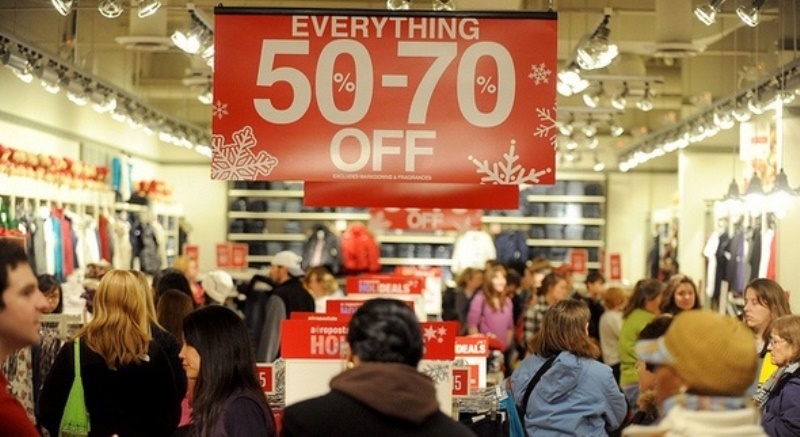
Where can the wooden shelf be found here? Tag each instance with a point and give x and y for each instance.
(544, 221)
(417, 261)
(566, 199)
(298, 215)
(266, 237)
(564, 243)
(267, 193)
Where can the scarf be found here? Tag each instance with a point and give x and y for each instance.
(763, 392)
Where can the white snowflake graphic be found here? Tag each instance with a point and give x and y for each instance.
(429, 334)
(220, 109)
(237, 160)
(507, 172)
(378, 223)
(540, 74)
(547, 124)
(437, 372)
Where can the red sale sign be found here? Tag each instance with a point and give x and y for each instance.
(615, 267)
(577, 260)
(223, 255)
(384, 284)
(473, 346)
(317, 317)
(266, 377)
(416, 219)
(440, 340)
(312, 339)
(411, 195)
(326, 95)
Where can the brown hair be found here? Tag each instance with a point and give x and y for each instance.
(466, 275)
(668, 298)
(788, 328)
(488, 289)
(644, 291)
(549, 281)
(564, 329)
(173, 307)
(770, 294)
(614, 297)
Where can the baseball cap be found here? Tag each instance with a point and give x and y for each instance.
(712, 353)
(218, 285)
(290, 260)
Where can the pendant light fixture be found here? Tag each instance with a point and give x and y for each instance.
(751, 15)
(595, 51)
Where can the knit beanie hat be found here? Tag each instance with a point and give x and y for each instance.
(218, 285)
(712, 353)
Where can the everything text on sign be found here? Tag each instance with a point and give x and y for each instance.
(333, 96)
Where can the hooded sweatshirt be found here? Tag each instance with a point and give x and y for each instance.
(386, 399)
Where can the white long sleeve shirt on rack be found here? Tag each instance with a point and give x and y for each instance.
(473, 249)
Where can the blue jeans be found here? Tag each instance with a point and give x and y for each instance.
(631, 393)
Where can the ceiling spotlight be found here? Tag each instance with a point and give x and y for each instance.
(110, 8)
(589, 129)
(565, 129)
(18, 64)
(444, 5)
(749, 15)
(741, 113)
(755, 105)
(614, 128)
(598, 164)
(620, 100)
(77, 90)
(189, 42)
(206, 97)
(646, 102)
(398, 5)
(593, 143)
(572, 143)
(148, 8)
(49, 75)
(570, 81)
(594, 51)
(64, 7)
(593, 99)
(723, 119)
(102, 102)
(707, 14)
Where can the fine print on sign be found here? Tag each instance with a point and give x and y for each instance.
(372, 95)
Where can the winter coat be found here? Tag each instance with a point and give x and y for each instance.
(576, 397)
(135, 400)
(682, 422)
(781, 413)
(373, 399)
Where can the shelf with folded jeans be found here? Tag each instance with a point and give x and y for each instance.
(299, 215)
(428, 250)
(543, 220)
(416, 261)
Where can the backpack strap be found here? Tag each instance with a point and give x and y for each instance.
(535, 380)
(77, 357)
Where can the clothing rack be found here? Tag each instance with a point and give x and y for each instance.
(65, 322)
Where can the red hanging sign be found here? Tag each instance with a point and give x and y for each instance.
(384, 284)
(326, 95)
(416, 219)
(410, 195)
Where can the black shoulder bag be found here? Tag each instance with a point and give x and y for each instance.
(521, 409)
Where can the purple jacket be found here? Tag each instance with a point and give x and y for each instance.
(781, 413)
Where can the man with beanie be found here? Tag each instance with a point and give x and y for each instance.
(288, 296)
(703, 367)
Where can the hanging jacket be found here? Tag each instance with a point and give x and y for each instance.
(322, 248)
(473, 249)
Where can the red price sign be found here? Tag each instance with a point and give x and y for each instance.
(578, 259)
(266, 377)
(223, 255)
(615, 267)
(239, 256)
(323, 95)
(461, 381)
(192, 251)
(417, 219)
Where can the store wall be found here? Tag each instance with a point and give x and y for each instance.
(788, 269)
(204, 207)
(632, 197)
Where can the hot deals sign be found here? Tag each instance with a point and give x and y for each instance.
(371, 95)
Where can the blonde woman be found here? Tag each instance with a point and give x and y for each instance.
(188, 266)
(322, 285)
(129, 385)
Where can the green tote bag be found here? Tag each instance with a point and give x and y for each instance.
(75, 421)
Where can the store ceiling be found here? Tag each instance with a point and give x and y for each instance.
(661, 38)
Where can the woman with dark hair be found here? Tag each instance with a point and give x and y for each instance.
(491, 311)
(381, 392)
(576, 394)
(554, 289)
(680, 295)
(642, 307)
(51, 288)
(217, 353)
(170, 279)
(764, 301)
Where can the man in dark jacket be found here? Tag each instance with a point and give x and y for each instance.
(288, 296)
